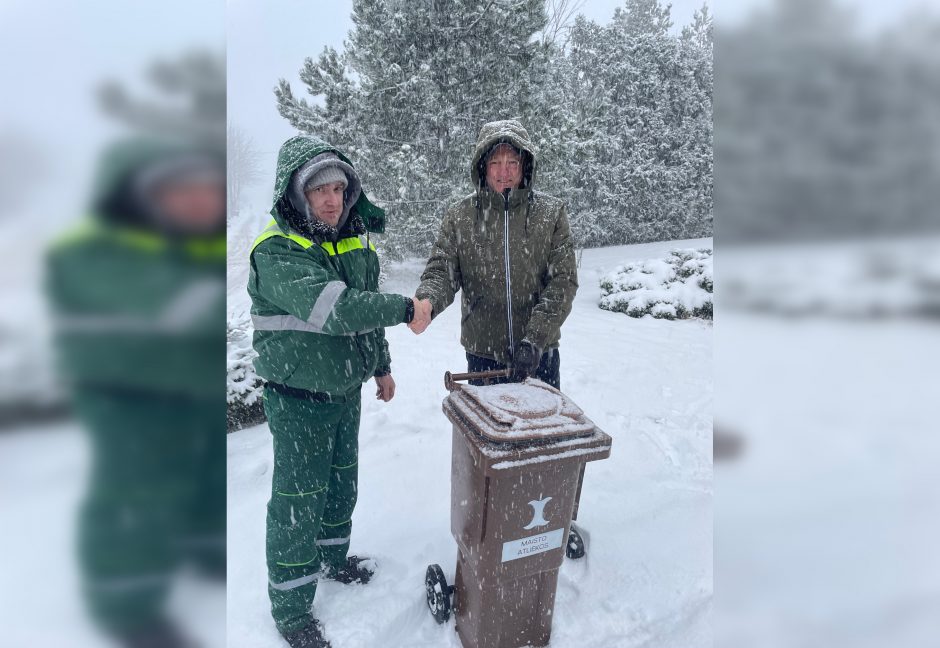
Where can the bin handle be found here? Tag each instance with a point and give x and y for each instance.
(450, 380)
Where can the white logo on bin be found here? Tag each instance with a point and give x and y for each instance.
(532, 545)
(538, 513)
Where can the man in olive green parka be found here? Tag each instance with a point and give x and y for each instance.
(508, 249)
(505, 238)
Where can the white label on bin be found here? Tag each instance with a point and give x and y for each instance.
(532, 545)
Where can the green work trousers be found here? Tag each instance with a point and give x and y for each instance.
(313, 494)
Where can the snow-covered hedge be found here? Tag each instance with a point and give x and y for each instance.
(853, 280)
(243, 391)
(677, 287)
(30, 390)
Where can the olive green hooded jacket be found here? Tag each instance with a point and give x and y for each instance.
(317, 313)
(471, 255)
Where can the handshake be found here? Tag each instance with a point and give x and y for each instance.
(422, 318)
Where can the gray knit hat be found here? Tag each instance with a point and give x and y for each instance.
(188, 168)
(329, 175)
(320, 170)
(173, 171)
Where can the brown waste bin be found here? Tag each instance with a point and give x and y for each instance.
(519, 451)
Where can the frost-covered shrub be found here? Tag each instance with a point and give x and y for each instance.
(29, 389)
(243, 390)
(677, 287)
(854, 280)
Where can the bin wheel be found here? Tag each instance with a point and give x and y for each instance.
(438, 592)
(574, 549)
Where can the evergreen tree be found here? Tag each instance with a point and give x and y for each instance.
(826, 130)
(190, 101)
(644, 135)
(700, 33)
(638, 18)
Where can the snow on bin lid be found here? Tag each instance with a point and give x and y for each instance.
(519, 412)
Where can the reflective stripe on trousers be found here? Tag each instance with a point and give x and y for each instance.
(296, 582)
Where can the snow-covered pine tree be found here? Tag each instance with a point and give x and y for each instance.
(700, 32)
(849, 116)
(643, 99)
(638, 18)
(243, 165)
(697, 47)
(409, 93)
(189, 102)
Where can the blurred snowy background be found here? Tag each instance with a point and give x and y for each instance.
(74, 77)
(826, 331)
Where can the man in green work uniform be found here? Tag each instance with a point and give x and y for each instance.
(318, 320)
(138, 297)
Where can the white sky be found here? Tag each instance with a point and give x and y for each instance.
(54, 54)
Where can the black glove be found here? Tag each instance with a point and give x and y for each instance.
(409, 310)
(525, 360)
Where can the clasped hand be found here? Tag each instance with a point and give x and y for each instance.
(422, 318)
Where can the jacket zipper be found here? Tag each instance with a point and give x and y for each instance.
(512, 345)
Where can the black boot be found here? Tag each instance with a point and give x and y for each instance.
(310, 636)
(356, 570)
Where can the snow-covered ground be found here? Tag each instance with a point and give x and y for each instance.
(851, 279)
(43, 473)
(827, 526)
(647, 511)
(26, 373)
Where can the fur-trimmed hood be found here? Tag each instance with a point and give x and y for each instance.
(299, 158)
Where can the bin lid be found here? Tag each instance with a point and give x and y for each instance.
(520, 412)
